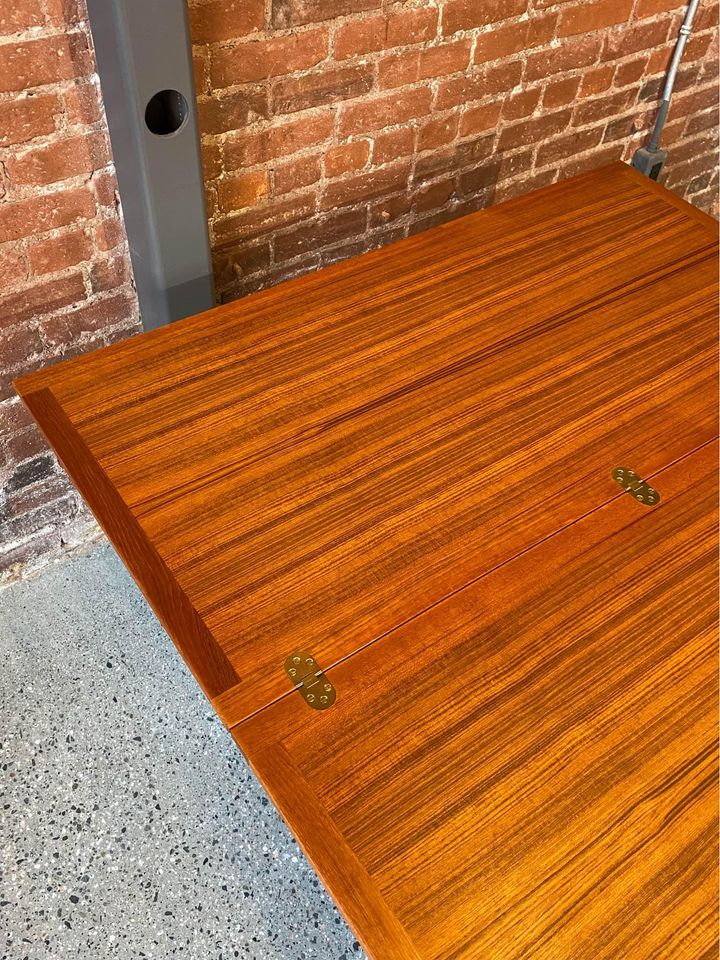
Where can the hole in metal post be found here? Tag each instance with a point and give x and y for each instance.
(166, 112)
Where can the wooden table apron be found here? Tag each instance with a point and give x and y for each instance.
(402, 464)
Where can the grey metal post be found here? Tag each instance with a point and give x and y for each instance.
(145, 65)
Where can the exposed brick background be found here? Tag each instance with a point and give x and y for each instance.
(333, 126)
(66, 284)
(328, 127)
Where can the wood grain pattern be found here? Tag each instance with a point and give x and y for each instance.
(529, 770)
(318, 463)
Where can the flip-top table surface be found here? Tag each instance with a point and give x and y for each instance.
(403, 465)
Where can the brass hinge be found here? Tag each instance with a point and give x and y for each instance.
(635, 486)
(309, 680)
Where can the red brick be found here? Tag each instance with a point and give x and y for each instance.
(24, 445)
(24, 218)
(437, 132)
(17, 345)
(560, 92)
(108, 273)
(392, 145)
(533, 131)
(82, 104)
(707, 16)
(433, 195)
(329, 85)
(585, 17)
(572, 54)
(329, 229)
(63, 328)
(501, 77)
(40, 493)
(14, 417)
(658, 60)
(596, 80)
(225, 19)
(262, 220)
(357, 37)
(501, 42)
(242, 191)
(64, 13)
(703, 144)
(620, 128)
(346, 157)
(201, 69)
(59, 253)
(485, 116)
(365, 186)
(630, 72)
(24, 119)
(244, 260)
(518, 188)
(259, 59)
(473, 151)
(286, 138)
(593, 161)
(388, 210)
(219, 114)
(648, 8)
(278, 140)
(699, 166)
(467, 14)
(494, 79)
(700, 122)
(590, 111)
(13, 268)
(293, 13)
(212, 160)
(60, 160)
(397, 70)
(445, 59)
(439, 163)
(520, 105)
(510, 38)
(414, 25)
(33, 63)
(642, 36)
(297, 173)
(20, 15)
(109, 232)
(553, 151)
(699, 47)
(495, 170)
(378, 112)
(41, 298)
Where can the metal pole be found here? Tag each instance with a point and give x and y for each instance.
(685, 29)
(650, 160)
(145, 65)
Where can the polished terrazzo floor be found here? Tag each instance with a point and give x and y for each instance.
(130, 824)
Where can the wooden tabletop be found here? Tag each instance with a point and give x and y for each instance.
(403, 465)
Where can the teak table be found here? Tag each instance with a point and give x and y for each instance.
(435, 530)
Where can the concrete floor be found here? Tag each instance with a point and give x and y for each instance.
(130, 824)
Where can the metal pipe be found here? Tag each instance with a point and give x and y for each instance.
(684, 33)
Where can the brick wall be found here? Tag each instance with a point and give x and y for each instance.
(66, 283)
(333, 126)
(328, 127)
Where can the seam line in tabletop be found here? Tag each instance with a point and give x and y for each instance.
(600, 506)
